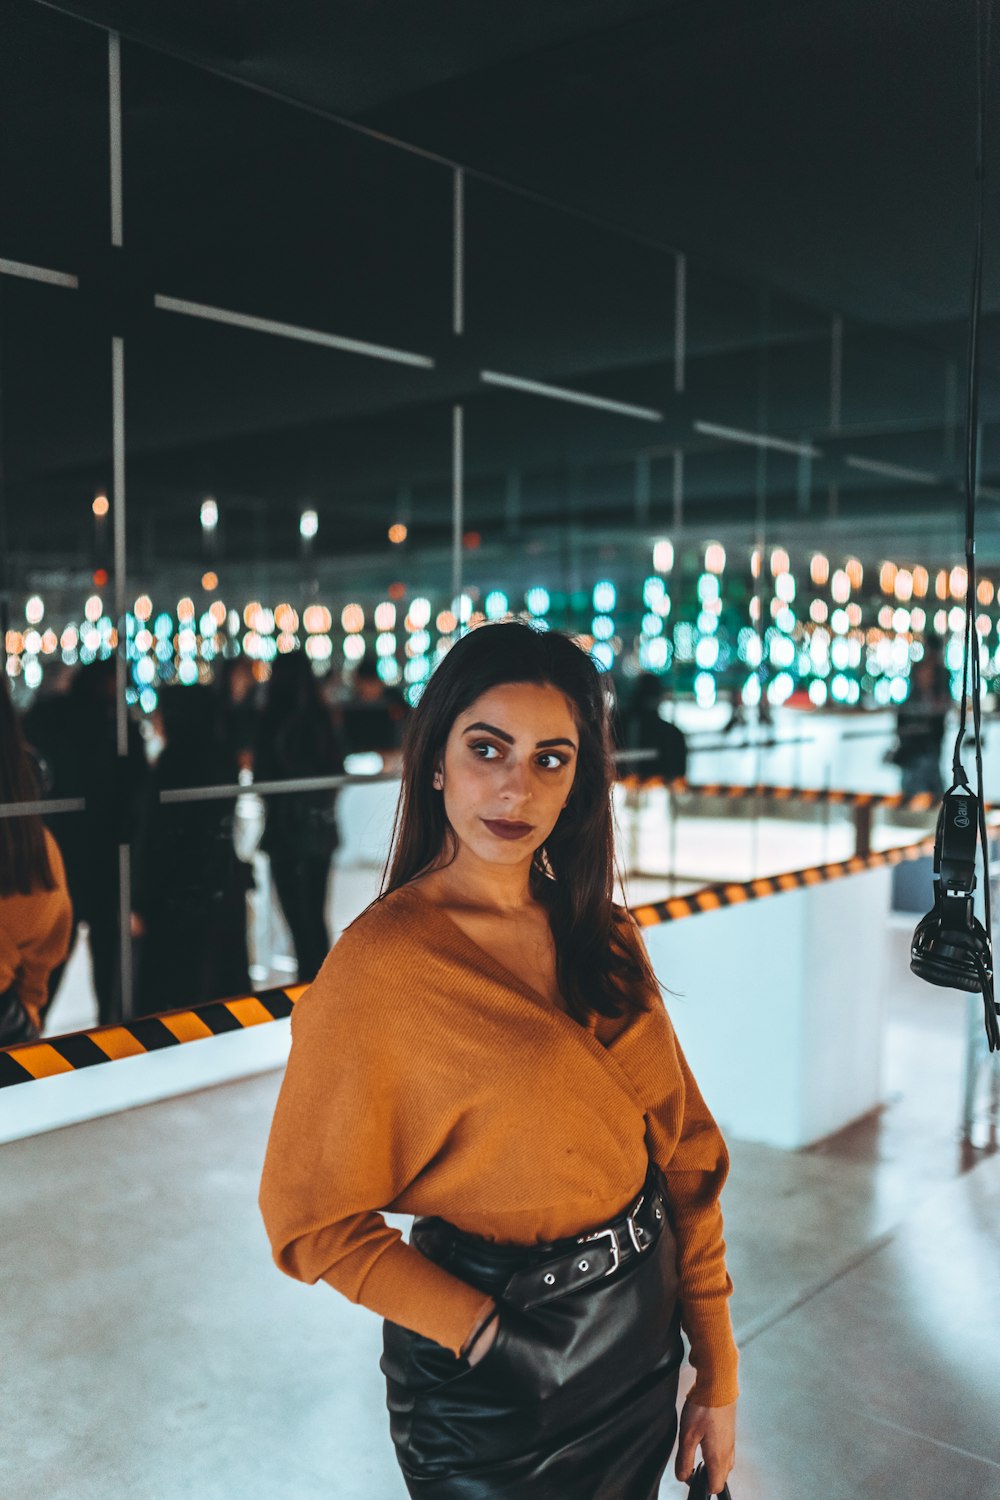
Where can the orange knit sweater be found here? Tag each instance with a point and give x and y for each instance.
(35, 933)
(425, 1078)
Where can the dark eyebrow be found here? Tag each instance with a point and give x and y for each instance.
(509, 738)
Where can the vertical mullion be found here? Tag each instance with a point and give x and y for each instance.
(125, 927)
(115, 111)
(458, 257)
(121, 715)
(680, 321)
(836, 371)
(118, 502)
(457, 496)
(118, 429)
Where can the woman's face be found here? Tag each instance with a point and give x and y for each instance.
(511, 755)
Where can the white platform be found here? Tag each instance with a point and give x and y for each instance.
(781, 1006)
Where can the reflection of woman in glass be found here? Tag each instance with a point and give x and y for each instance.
(296, 738)
(75, 736)
(189, 905)
(36, 918)
(486, 1048)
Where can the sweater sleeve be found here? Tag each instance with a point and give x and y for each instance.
(42, 929)
(694, 1172)
(9, 956)
(348, 1135)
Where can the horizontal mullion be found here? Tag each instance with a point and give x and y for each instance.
(42, 809)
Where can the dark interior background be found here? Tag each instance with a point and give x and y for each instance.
(811, 162)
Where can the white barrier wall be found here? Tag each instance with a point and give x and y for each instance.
(364, 820)
(781, 1018)
(781, 1006)
(107, 1088)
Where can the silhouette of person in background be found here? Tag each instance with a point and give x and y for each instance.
(641, 728)
(236, 689)
(189, 901)
(920, 722)
(374, 714)
(297, 738)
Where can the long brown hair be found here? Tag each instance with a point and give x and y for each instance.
(600, 967)
(24, 855)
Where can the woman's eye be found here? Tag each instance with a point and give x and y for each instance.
(549, 754)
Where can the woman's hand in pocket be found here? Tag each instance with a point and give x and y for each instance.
(484, 1342)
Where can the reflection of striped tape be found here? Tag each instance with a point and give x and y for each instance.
(84, 1049)
(735, 893)
(171, 1028)
(922, 802)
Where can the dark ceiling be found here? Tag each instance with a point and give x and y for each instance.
(808, 159)
(823, 148)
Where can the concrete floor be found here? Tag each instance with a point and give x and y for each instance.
(153, 1352)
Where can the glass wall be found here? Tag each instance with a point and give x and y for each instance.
(284, 409)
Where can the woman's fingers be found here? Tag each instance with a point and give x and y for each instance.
(687, 1446)
(713, 1429)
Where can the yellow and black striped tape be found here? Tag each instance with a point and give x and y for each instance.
(84, 1049)
(169, 1028)
(735, 893)
(921, 802)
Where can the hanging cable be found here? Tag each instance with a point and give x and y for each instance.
(950, 946)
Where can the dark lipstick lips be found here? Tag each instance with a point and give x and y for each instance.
(508, 829)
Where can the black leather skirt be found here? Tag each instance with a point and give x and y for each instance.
(576, 1398)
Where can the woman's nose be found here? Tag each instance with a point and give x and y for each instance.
(515, 782)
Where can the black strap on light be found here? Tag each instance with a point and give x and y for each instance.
(950, 946)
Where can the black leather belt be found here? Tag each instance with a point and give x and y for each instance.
(594, 1255)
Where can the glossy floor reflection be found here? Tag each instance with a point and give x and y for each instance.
(153, 1351)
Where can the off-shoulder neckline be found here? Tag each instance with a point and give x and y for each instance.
(483, 954)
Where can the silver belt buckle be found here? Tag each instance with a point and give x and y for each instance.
(632, 1227)
(599, 1234)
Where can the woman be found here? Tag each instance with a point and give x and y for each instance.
(296, 738)
(189, 904)
(486, 1048)
(36, 917)
(74, 734)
